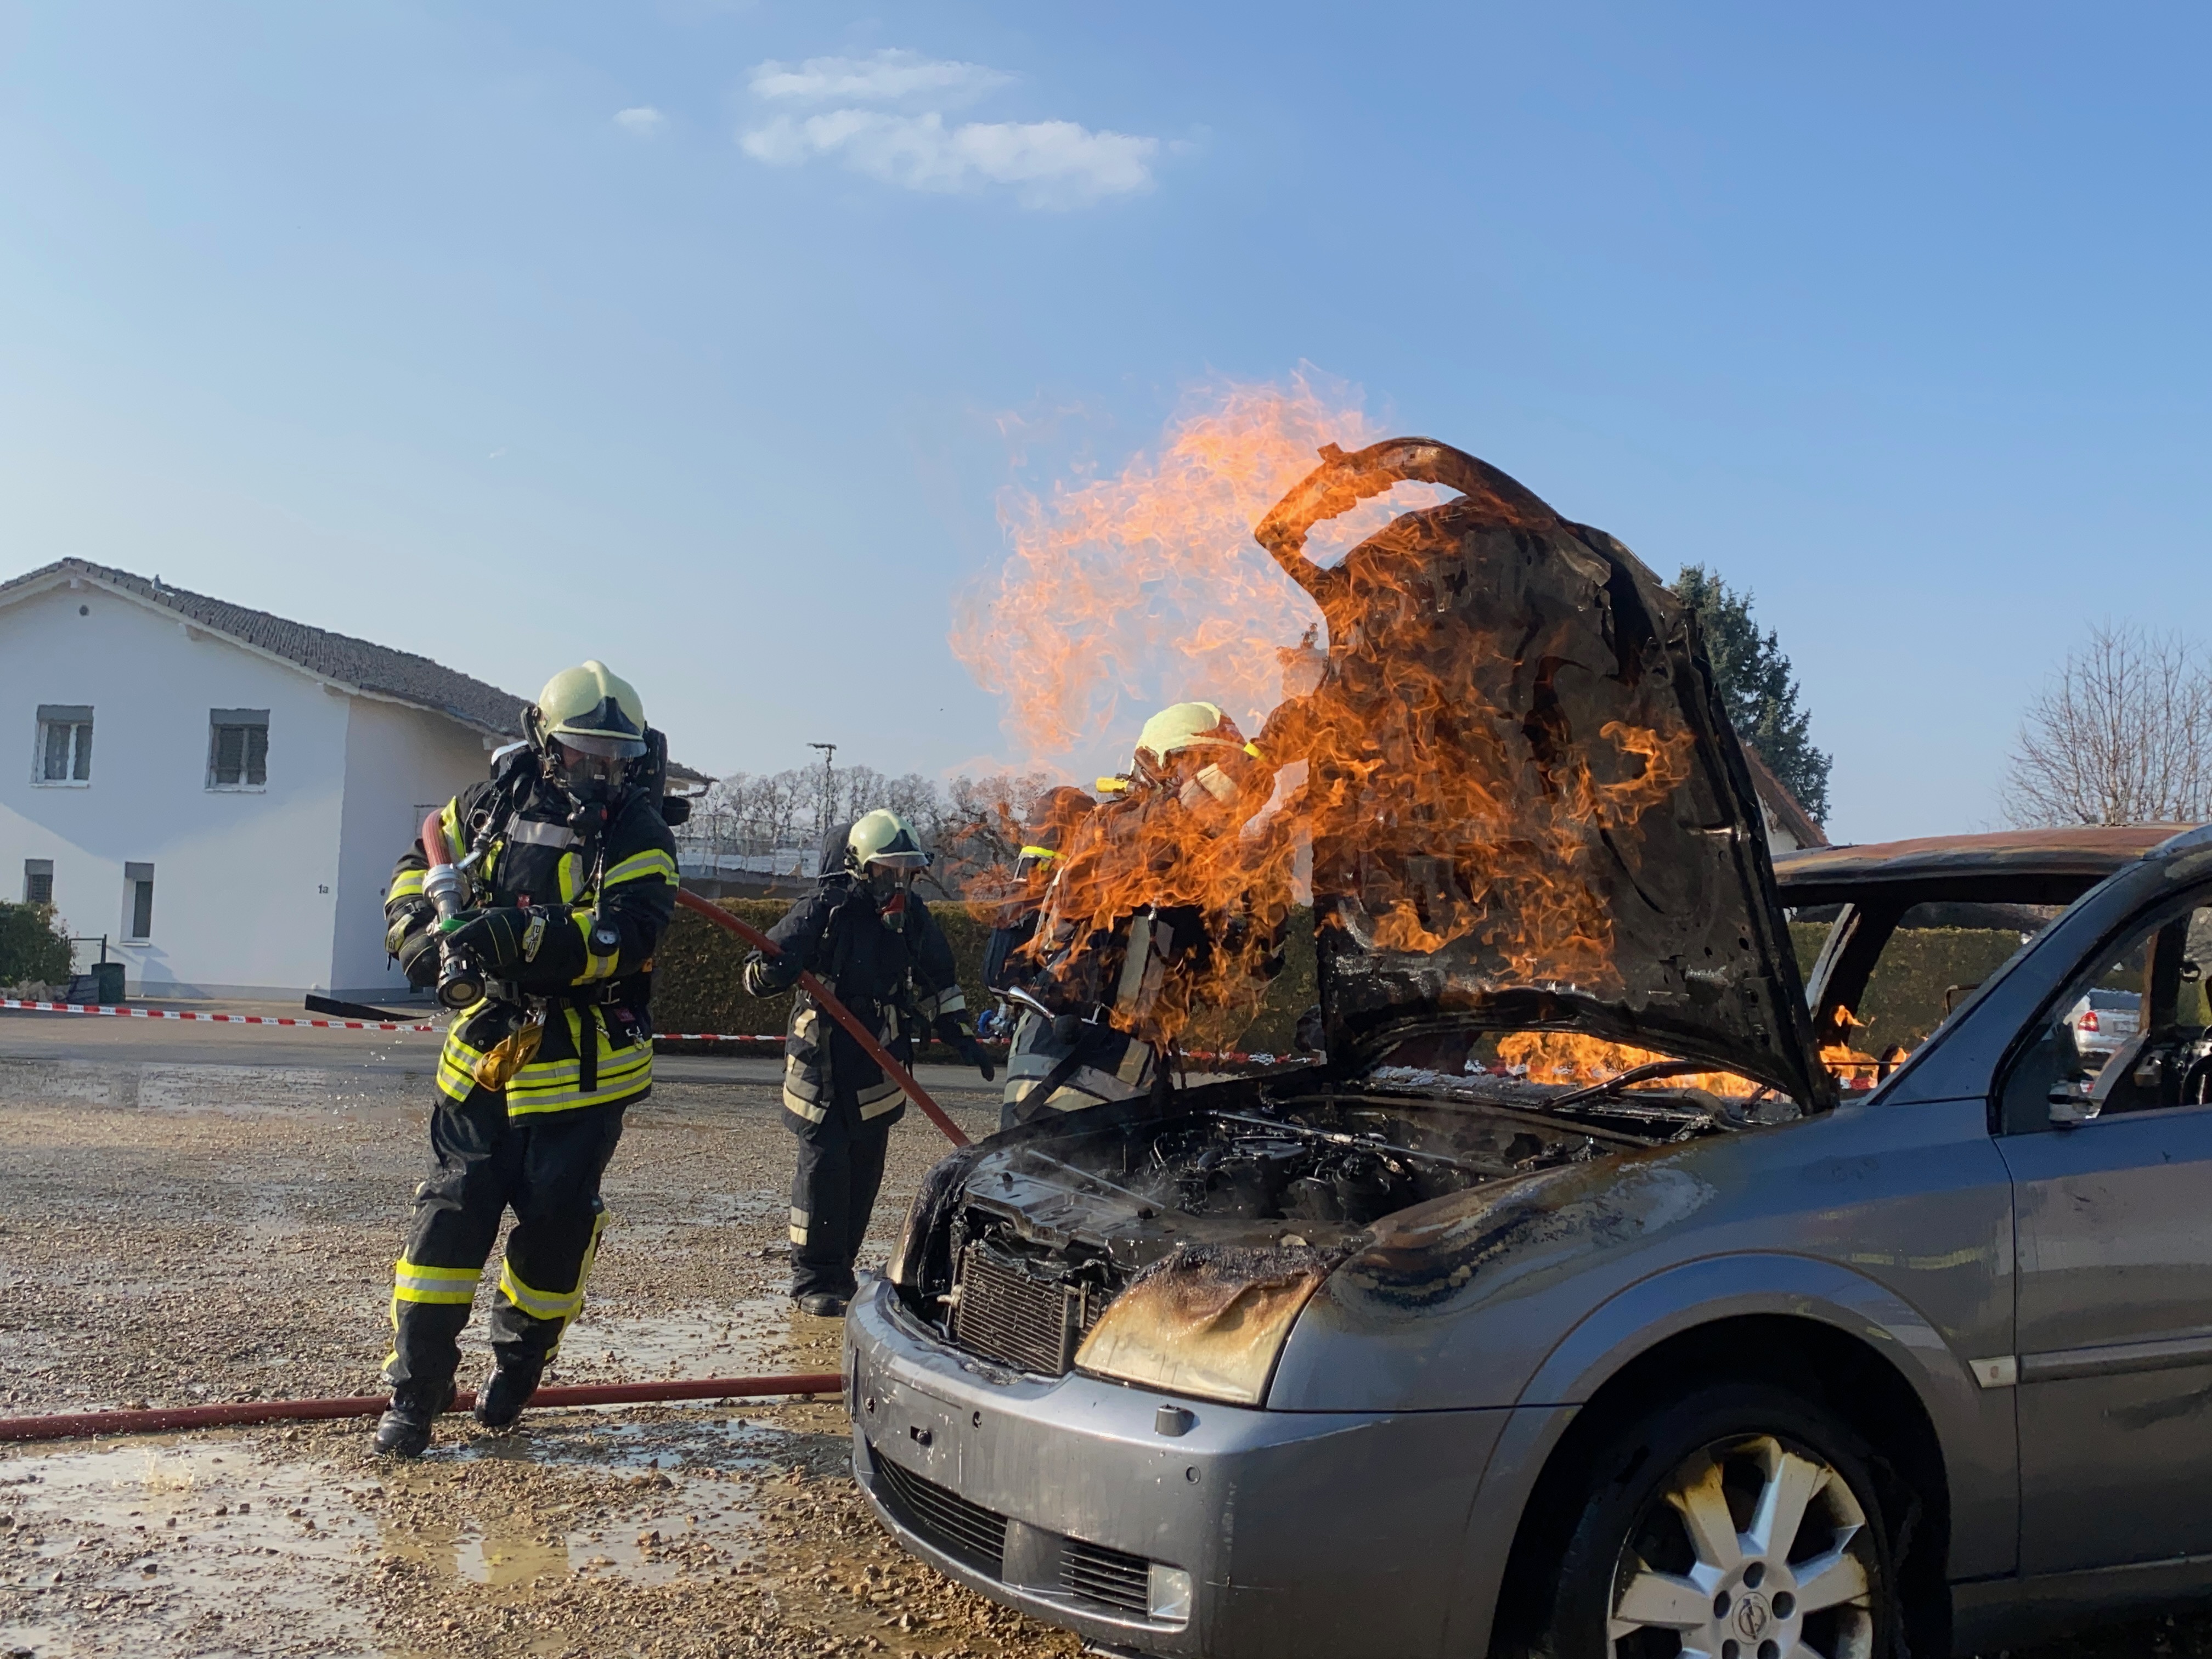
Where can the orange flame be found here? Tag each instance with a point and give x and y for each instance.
(1432, 809)
(1567, 1057)
(1849, 1066)
(1128, 593)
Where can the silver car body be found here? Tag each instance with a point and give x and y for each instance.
(1371, 1506)
(2017, 1316)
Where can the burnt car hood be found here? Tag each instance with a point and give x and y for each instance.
(1528, 807)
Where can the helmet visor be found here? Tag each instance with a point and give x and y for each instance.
(606, 745)
(905, 861)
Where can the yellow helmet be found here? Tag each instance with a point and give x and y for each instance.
(883, 837)
(1189, 726)
(592, 710)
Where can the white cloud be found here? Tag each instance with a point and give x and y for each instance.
(644, 121)
(1051, 164)
(1048, 163)
(889, 77)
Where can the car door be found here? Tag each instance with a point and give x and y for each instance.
(2111, 1166)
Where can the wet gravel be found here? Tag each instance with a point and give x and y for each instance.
(172, 1234)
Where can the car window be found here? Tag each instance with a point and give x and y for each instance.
(1938, 955)
(2128, 1034)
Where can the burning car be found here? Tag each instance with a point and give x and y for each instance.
(1569, 1307)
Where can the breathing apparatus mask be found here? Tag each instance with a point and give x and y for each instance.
(888, 884)
(594, 771)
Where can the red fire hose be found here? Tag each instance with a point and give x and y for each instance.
(837, 1011)
(71, 1425)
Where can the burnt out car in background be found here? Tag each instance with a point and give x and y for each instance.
(1435, 1349)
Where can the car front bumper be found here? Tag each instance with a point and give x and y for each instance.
(1337, 1535)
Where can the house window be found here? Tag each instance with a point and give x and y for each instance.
(137, 902)
(65, 743)
(238, 748)
(38, 881)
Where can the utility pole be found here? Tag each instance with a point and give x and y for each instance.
(828, 789)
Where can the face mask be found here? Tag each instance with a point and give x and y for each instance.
(1211, 786)
(589, 777)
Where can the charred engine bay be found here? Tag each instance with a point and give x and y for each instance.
(1040, 1230)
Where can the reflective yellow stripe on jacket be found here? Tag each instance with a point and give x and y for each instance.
(550, 1085)
(652, 862)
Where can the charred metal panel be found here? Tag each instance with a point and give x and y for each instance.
(1528, 809)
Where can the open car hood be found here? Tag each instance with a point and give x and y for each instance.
(1528, 809)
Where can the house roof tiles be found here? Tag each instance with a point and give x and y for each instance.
(376, 669)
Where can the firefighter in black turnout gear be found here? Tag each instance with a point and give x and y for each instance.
(570, 879)
(878, 950)
(1051, 820)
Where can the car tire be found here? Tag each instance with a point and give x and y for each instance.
(1678, 1549)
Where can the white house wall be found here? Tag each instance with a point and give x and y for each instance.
(400, 761)
(263, 892)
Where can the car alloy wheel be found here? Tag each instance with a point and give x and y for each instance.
(1754, 1548)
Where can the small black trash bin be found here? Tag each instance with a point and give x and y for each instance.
(108, 982)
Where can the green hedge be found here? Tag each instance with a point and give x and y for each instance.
(32, 951)
(697, 983)
(697, 986)
(1903, 1001)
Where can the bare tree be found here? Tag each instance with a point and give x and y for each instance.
(974, 825)
(2122, 734)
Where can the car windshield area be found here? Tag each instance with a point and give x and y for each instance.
(1635, 1090)
(1883, 976)
(2132, 1031)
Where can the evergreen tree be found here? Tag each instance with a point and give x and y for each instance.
(1758, 687)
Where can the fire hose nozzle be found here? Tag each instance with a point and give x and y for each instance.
(460, 982)
(447, 889)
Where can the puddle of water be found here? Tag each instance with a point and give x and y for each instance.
(764, 1336)
(119, 1546)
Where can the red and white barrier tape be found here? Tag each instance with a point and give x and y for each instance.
(118, 1012)
(1000, 1044)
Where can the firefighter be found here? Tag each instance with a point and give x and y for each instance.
(573, 879)
(878, 949)
(1047, 828)
(1083, 1039)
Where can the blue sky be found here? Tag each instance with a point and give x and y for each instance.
(387, 317)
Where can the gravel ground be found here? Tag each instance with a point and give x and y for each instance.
(173, 1232)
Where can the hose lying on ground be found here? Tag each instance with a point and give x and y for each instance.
(837, 1011)
(72, 1425)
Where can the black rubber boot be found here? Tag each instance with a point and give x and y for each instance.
(404, 1430)
(507, 1390)
(823, 1305)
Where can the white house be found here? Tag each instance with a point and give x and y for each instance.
(219, 792)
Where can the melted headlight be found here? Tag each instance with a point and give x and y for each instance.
(1208, 1323)
(903, 1268)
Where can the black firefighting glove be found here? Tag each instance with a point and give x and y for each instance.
(957, 1037)
(418, 957)
(412, 938)
(497, 938)
(766, 976)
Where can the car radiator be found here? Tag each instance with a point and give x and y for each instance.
(1019, 1318)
